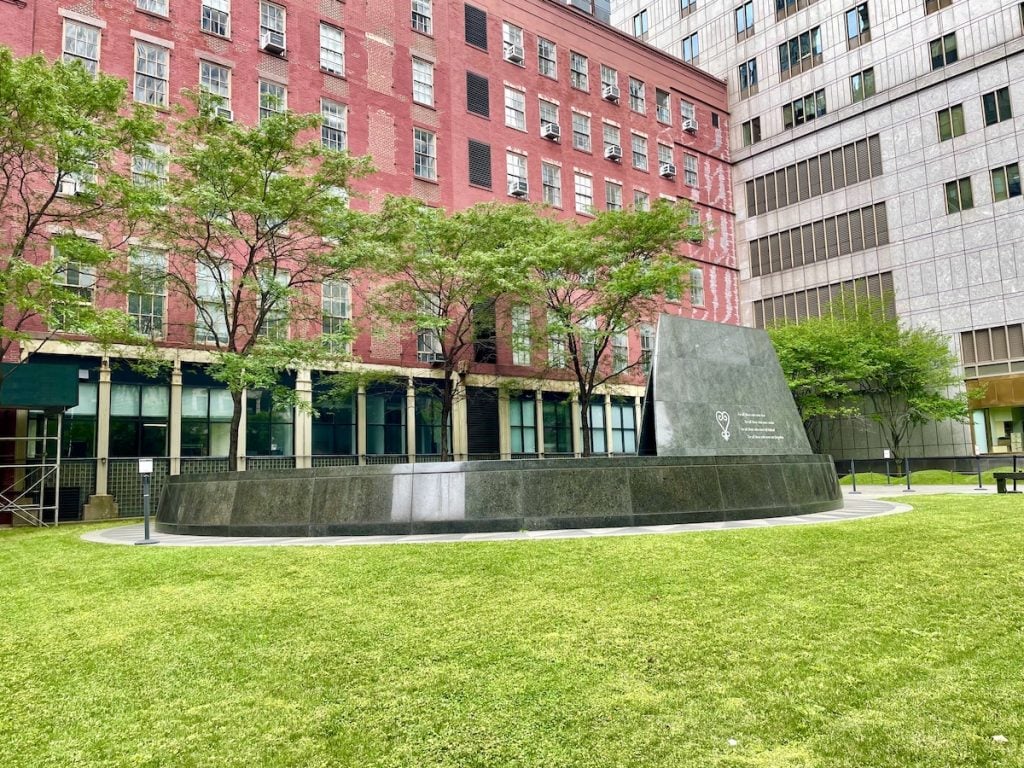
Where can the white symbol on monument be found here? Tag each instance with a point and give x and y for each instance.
(723, 422)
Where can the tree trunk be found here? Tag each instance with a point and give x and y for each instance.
(447, 396)
(234, 437)
(588, 443)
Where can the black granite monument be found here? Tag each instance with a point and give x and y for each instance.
(728, 442)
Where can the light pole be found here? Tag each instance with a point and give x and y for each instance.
(145, 471)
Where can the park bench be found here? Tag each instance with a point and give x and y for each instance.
(1002, 477)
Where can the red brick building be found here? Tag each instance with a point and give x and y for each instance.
(456, 103)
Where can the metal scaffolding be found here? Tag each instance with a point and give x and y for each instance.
(30, 474)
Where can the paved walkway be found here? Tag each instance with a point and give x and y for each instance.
(856, 508)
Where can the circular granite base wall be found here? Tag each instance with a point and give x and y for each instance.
(497, 495)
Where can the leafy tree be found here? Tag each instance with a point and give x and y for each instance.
(600, 280)
(64, 184)
(858, 361)
(444, 275)
(255, 221)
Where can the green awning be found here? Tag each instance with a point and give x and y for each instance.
(39, 386)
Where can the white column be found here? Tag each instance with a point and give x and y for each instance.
(577, 435)
(608, 424)
(174, 420)
(304, 420)
(460, 421)
(504, 426)
(242, 431)
(103, 427)
(361, 423)
(410, 420)
(538, 401)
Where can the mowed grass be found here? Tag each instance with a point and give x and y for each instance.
(897, 641)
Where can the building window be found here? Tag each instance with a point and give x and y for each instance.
(512, 43)
(385, 419)
(337, 312)
(598, 443)
(931, 6)
(804, 110)
(422, 16)
(216, 81)
(1005, 182)
(547, 58)
(334, 425)
(424, 154)
(578, 71)
(800, 53)
(273, 294)
(82, 44)
(153, 6)
(959, 196)
(273, 99)
(951, 122)
(548, 113)
(476, 26)
(556, 340)
(686, 7)
(584, 193)
(637, 96)
(620, 352)
(862, 85)
(522, 420)
(422, 82)
(269, 429)
(515, 170)
(686, 110)
(78, 437)
(745, 20)
(690, 170)
(641, 200)
(641, 24)
(205, 421)
(515, 108)
(479, 164)
(943, 50)
(748, 78)
(151, 170)
(612, 196)
(272, 19)
(557, 410)
(639, 147)
(428, 339)
(663, 106)
(216, 17)
(332, 49)
(858, 26)
(996, 106)
(691, 48)
(665, 154)
(551, 183)
(751, 131)
(697, 287)
(609, 77)
(521, 340)
(77, 278)
(611, 138)
(213, 296)
(623, 425)
(138, 420)
(478, 95)
(334, 129)
(646, 348)
(151, 74)
(581, 131)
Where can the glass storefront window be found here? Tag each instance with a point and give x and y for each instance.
(269, 429)
(138, 419)
(385, 420)
(205, 421)
(557, 424)
(522, 417)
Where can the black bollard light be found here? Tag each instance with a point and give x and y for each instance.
(853, 475)
(906, 468)
(145, 471)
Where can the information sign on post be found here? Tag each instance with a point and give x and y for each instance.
(145, 472)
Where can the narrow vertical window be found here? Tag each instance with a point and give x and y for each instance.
(82, 44)
(332, 49)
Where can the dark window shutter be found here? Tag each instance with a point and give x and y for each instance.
(478, 98)
(479, 164)
(482, 421)
(476, 27)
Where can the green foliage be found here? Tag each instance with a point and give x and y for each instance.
(261, 213)
(445, 274)
(61, 128)
(855, 360)
(601, 279)
(891, 643)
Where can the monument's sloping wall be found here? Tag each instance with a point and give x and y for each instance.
(497, 495)
(718, 390)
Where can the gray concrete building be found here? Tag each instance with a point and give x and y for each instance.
(876, 145)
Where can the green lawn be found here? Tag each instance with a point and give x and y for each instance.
(896, 641)
(925, 477)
